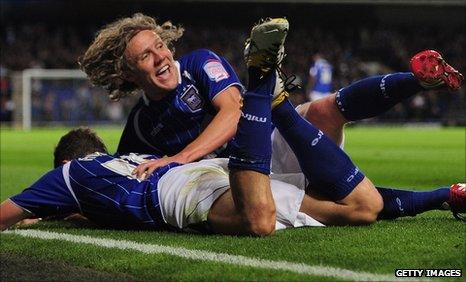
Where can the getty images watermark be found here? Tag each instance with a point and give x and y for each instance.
(429, 272)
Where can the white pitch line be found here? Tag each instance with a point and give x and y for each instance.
(301, 268)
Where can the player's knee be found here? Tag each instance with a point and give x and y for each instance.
(261, 228)
(323, 111)
(366, 203)
(369, 207)
(262, 221)
(364, 216)
(324, 115)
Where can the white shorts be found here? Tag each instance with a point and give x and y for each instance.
(283, 158)
(187, 192)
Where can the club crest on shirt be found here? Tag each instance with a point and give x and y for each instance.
(192, 99)
(215, 70)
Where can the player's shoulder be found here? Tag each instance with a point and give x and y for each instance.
(198, 56)
(95, 156)
(134, 157)
(200, 53)
(90, 162)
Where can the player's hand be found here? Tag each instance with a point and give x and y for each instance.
(145, 169)
(28, 221)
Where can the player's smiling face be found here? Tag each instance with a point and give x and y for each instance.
(154, 67)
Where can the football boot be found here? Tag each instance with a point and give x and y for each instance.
(433, 72)
(457, 201)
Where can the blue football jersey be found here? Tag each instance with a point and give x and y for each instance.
(100, 187)
(322, 72)
(167, 126)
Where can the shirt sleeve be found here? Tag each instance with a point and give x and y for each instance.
(213, 73)
(49, 196)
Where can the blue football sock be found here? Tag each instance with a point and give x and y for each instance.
(398, 203)
(375, 95)
(329, 170)
(255, 77)
(251, 149)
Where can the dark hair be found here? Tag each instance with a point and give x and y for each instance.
(77, 143)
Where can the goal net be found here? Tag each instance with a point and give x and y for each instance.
(63, 97)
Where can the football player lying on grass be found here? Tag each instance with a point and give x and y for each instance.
(103, 188)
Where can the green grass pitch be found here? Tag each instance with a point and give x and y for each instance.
(419, 158)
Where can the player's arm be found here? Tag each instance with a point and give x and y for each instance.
(11, 214)
(220, 130)
(49, 196)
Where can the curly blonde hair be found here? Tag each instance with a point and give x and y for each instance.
(104, 61)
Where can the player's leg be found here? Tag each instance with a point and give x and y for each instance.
(283, 158)
(315, 209)
(325, 115)
(397, 203)
(251, 148)
(319, 209)
(329, 170)
(330, 212)
(346, 205)
(225, 218)
(375, 95)
(250, 157)
(288, 194)
(248, 207)
(334, 177)
(366, 98)
(253, 209)
(363, 99)
(348, 197)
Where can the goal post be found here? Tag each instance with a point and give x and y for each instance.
(49, 74)
(63, 97)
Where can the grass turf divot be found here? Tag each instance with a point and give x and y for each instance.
(15, 267)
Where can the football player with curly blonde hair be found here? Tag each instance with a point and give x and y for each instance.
(135, 54)
(105, 62)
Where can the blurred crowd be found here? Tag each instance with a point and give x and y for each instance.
(354, 52)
